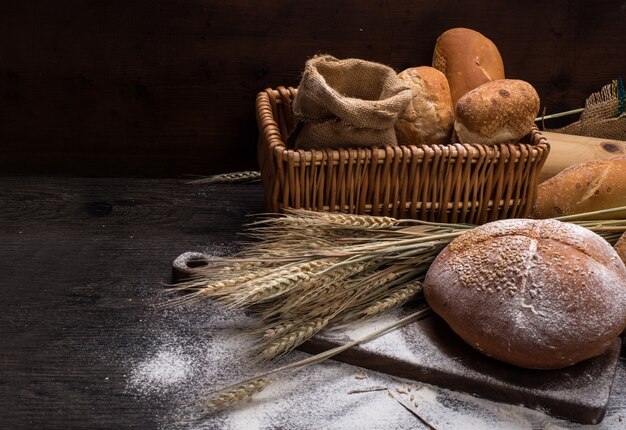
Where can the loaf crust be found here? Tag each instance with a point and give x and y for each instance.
(584, 187)
(496, 112)
(468, 59)
(539, 294)
(429, 118)
(620, 247)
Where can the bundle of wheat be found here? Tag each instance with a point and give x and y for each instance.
(306, 271)
(309, 270)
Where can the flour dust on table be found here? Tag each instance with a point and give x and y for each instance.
(196, 349)
(170, 365)
(185, 352)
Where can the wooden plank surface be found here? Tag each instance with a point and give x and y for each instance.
(81, 263)
(82, 266)
(141, 88)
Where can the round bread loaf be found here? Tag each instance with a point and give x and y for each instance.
(584, 187)
(429, 118)
(496, 112)
(620, 247)
(468, 59)
(540, 294)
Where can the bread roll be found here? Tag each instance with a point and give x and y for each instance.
(584, 187)
(496, 112)
(540, 294)
(468, 59)
(430, 116)
(620, 247)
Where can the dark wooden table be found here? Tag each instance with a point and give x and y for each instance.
(81, 261)
(82, 268)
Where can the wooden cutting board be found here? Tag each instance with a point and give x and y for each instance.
(429, 351)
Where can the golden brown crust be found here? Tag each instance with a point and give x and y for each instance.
(535, 293)
(429, 117)
(496, 112)
(468, 59)
(584, 187)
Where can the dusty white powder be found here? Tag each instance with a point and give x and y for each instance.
(165, 368)
(189, 350)
(321, 396)
(446, 409)
(393, 341)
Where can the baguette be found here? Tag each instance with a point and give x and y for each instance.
(568, 149)
(584, 187)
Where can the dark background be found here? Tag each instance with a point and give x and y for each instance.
(167, 88)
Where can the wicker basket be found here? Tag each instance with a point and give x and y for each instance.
(447, 183)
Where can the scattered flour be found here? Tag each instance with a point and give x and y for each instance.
(167, 367)
(320, 397)
(392, 341)
(191, 350)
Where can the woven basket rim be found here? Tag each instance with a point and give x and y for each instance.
(532, 141)
(389, 180)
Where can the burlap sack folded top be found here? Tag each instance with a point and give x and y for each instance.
(604, 115)
(347, 103)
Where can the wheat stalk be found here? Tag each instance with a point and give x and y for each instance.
(393, 301)
(272, 332)
(241, 392)
(338, 298)
(229, 178)
(309, 318)
(354, 267)
(273, 284)
(345, 220)
(203, 288)
(231, 394)
(329, 281)
(309, 321)
(306, 271)
(287, 342)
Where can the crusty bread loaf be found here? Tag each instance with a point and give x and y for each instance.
(468, 59)
(584, 187)
(569, 149)
(540, 294)
(496, 112)
(429, 118)
(620, 247)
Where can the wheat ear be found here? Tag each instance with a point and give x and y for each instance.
(229, 178)
(202, 289)
(393, 301)
(235, 393)
(274, 284)
(244, 391)
(287, 342)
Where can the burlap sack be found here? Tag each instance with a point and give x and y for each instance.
(604, 115)
(347, 103)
